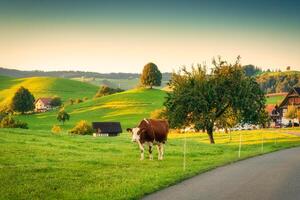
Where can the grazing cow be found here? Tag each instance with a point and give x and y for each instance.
(150, 132)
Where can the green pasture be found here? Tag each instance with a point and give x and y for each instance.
(128, 107)
(45, 87)
(35, 164)
(275, 99)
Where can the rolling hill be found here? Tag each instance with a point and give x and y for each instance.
(128, 107)
(45, 87)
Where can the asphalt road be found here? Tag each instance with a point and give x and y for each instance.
(271, 176)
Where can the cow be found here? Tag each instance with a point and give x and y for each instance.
(150, 132)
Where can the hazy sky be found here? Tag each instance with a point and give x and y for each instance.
(122, 36)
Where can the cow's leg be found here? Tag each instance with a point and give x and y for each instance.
(159, 148)
(161, 151)
(150, 151)
(142, 150)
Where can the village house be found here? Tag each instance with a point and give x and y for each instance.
(43, 104)
(278, 112)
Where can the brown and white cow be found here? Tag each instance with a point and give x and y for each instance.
(150, 132)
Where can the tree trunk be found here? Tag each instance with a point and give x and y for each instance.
(210, 134)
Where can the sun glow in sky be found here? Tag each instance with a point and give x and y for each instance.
(122, 36)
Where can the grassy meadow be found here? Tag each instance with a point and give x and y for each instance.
(45, 87)
(37, 164)
(128, 107)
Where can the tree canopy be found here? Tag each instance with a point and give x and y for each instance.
(202, 99)
(151, 75)
(22, 101)
(62, 115)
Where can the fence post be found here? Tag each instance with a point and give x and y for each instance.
(240, 145)
(262, 142)
(184, 152)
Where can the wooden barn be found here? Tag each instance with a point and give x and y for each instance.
(107, 128)
(292, 98)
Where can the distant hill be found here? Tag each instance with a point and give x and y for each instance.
(45, 87)
(72, 74)
(127, 107)
(278, 82)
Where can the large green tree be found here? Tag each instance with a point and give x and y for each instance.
(204, 99)
(151, 75)
(22, 101)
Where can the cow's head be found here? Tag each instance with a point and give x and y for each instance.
(136, 134)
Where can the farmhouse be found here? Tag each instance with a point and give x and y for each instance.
(43, 104)
(107, 128)
(292, 98)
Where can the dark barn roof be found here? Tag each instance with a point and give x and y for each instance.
(107, 127)
(297, 89)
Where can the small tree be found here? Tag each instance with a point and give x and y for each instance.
(151, 75)
(56, 101)
(62, 116)
(291, 113)
(71, 101)
(23, 101)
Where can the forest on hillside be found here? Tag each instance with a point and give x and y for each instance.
(274, 81)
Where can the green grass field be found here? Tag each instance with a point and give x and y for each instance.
(45, 87)
(36, 164)
(127, 107)
(39, 165)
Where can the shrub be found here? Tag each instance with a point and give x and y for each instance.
(82, 128)
(56, 129)
(9, 122)
(105, 90)
(56, 101)
(78, 100)
(71, 101)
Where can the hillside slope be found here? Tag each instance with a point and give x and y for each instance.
(127, 107)
(277, 82)
(45, 87)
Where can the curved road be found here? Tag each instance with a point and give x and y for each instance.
(270, 176)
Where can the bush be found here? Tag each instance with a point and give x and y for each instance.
(71, 101)
(56, 129)
(9, 122)
(105, 90)
(78, 100)
(82, 128)
(56, 101)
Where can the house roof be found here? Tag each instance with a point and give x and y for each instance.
(45, 100)
(107, 127)
(270, 108)
(295, 89)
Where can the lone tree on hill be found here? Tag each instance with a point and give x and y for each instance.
(151, 76)
(62, 116)
(23, 101)
(204, 99)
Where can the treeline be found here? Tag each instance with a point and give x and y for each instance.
(73, 74)
(274, 81)
(277, 82)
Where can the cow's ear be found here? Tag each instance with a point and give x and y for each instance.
(129, 130)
